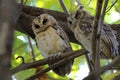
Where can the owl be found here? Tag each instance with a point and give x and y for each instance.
(80, 23)
(51, 40)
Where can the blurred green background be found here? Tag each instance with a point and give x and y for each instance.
(80, 69)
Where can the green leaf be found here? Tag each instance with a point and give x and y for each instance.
(24, 74)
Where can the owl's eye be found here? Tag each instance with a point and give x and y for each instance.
(70, 22)
(76, 15)
(44, 21)
(81, 7)
(37, 26)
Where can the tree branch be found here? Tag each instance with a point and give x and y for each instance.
(95, 38)
(94, 75)
(46, 61)
(60, 62)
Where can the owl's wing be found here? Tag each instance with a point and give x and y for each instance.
(109, 40)
(62, 35)
(66, 68)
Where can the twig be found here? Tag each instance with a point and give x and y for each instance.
(111, 6)
(95, 36)
(46, 61)
(115, 6)
(23, 60)
(32, 51)
(63, 7)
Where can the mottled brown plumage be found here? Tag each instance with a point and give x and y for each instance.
(51, 40)
(80, 23)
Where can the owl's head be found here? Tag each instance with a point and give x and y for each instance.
(42, 23)
(75, 17)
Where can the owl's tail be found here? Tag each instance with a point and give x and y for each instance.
(64, 69)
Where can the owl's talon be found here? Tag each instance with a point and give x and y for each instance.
(54, 56)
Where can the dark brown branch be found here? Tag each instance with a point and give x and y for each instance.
(95, 38)
(60, 62)
(37, 75)
(97, 73)
(46, 61)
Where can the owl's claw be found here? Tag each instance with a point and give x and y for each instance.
(52, 56)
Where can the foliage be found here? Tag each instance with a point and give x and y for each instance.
(21, 46)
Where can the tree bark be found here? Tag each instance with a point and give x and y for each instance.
(7, 22)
